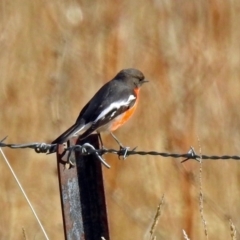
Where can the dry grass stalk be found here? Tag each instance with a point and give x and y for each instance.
(156, 219)
(233, 230)
(24, 233)
(204, 222)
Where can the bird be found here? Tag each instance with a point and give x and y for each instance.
(112, 106)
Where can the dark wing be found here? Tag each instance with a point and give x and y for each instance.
(111, 93)
(107, 105)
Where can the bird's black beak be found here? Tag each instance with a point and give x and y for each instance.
(145, 81)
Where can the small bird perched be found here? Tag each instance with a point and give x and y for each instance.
(112, 106)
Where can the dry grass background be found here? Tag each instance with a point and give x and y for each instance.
(54, 55)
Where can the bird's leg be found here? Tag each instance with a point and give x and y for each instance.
(122, 148)
(100, 139)
(119, 143)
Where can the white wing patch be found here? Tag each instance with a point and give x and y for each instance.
(82, 129)
(113, 113)
(115, 105)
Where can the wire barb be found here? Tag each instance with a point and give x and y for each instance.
(191, 155)
(38, 147)
(87, 149)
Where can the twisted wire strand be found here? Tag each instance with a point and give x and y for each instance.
(87, 149)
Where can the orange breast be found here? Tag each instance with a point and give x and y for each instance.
(119, 121)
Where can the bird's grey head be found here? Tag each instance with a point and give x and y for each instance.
(131, 76)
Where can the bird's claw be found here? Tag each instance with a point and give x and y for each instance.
(71, 162)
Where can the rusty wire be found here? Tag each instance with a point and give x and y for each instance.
(87, 149)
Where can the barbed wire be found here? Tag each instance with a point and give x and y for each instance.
(87, 149)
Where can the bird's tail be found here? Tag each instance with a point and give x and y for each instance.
(77, 127)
